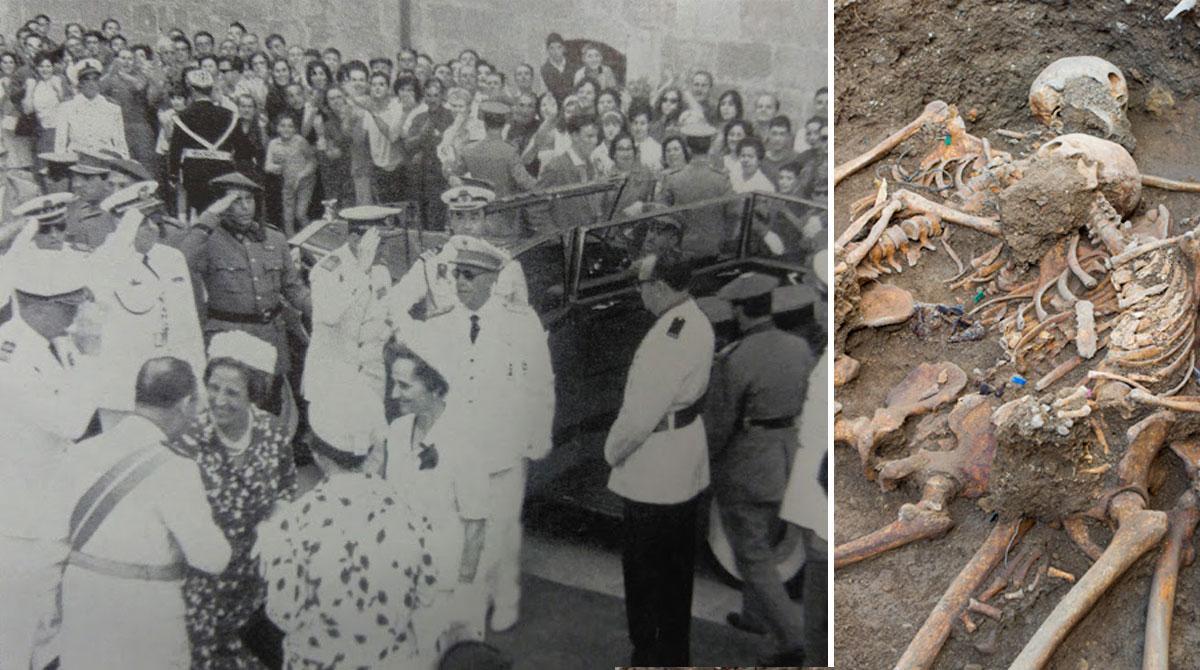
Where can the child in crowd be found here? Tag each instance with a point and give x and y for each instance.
(292, 157)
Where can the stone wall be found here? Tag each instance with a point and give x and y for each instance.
(755, 45)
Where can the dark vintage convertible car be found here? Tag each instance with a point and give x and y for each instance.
(582, 283)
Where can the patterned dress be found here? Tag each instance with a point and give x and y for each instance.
(242, 489)
(346, 566)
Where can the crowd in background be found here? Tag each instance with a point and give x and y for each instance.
(386, 129)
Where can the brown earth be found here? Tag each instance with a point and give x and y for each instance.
(891, 58)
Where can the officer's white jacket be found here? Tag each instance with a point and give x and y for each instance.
(90, 124)
(46, 406)
(349, 326)
(149, 311)
(669, 373)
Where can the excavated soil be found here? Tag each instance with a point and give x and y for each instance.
(891, 58)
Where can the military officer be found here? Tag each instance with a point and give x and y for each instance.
(50, 214)
(492, 348)
(426, 287)
(709, 228)
(146, 289)
(40, 223)
(44, 381)
(245, 269)
(466, 205)
(56, 173)
(757, 391)
(89, 120)
(349, 312)
(207, 142)
(660, 465)
(497, 163)
(87, 224)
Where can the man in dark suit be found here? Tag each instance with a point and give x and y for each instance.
(755, 394)
(556, 74)
(206, 142)
(571, 167)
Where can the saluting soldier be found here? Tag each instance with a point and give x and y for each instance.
(708, 228)
(146, 289)
(757, 392)
(659, 460)
(349, 312)
(205, 143)
(245, 269)
(45, 384)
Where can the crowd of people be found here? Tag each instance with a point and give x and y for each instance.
(207, 439)
(313, 125)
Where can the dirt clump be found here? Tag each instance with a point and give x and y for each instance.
(1049, 202)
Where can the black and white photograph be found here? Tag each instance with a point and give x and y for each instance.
(417, 334)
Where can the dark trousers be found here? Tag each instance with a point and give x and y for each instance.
(658, 561)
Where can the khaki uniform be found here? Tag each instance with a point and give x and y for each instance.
(246, 278)
(705, 230)
(757, 391)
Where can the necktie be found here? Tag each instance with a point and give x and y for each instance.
(474, 327)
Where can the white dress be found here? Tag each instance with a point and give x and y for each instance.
(438, 481)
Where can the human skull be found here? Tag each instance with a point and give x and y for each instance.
(1083, 94)
(1117, 173)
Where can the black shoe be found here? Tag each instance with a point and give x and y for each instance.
(794, 657)
(735, 619)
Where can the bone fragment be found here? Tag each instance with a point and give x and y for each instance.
(1060, 574)
(1170, 184)
(989, 611)
(934, 111)
(925, 647)
(1085, 329)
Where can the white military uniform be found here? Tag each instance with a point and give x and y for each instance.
(505, 381)
(150, 311)
(45, 407)
(120, 622)
(669, 373)
(349, 326)
(90, 125)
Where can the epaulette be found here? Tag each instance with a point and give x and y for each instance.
(6, 350)
(676, 327)
(331, 262)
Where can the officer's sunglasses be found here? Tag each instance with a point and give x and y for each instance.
(59, 227)
(467, 273)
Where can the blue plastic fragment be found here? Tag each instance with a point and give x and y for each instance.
(1018, 380)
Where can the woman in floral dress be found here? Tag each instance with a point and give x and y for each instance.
(246, 463)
